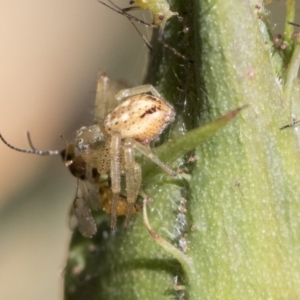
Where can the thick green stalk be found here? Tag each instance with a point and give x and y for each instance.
(236, 216)
(246, 244)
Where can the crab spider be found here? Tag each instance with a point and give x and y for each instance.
(110, 146)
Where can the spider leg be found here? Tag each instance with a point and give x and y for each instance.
(105, 98)
(148, 153)
(133, 178)
(115, 174)
(141, 89)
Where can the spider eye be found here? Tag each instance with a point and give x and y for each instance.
(81, 146)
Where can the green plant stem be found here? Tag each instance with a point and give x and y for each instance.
(289, 29)
(238, 218)
(244, 184)
(292, 72)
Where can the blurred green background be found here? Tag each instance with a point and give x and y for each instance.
(51, 53)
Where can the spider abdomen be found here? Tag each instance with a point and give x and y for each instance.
(141, 117)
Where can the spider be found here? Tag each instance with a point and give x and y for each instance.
(110, 145)
(107, 150)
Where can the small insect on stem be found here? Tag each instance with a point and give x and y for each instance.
(87, 195)
(93, 189)
(160, 9)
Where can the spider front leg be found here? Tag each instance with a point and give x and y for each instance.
(146, 151)
(133, 177)
(115, 174)
(141, 89)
